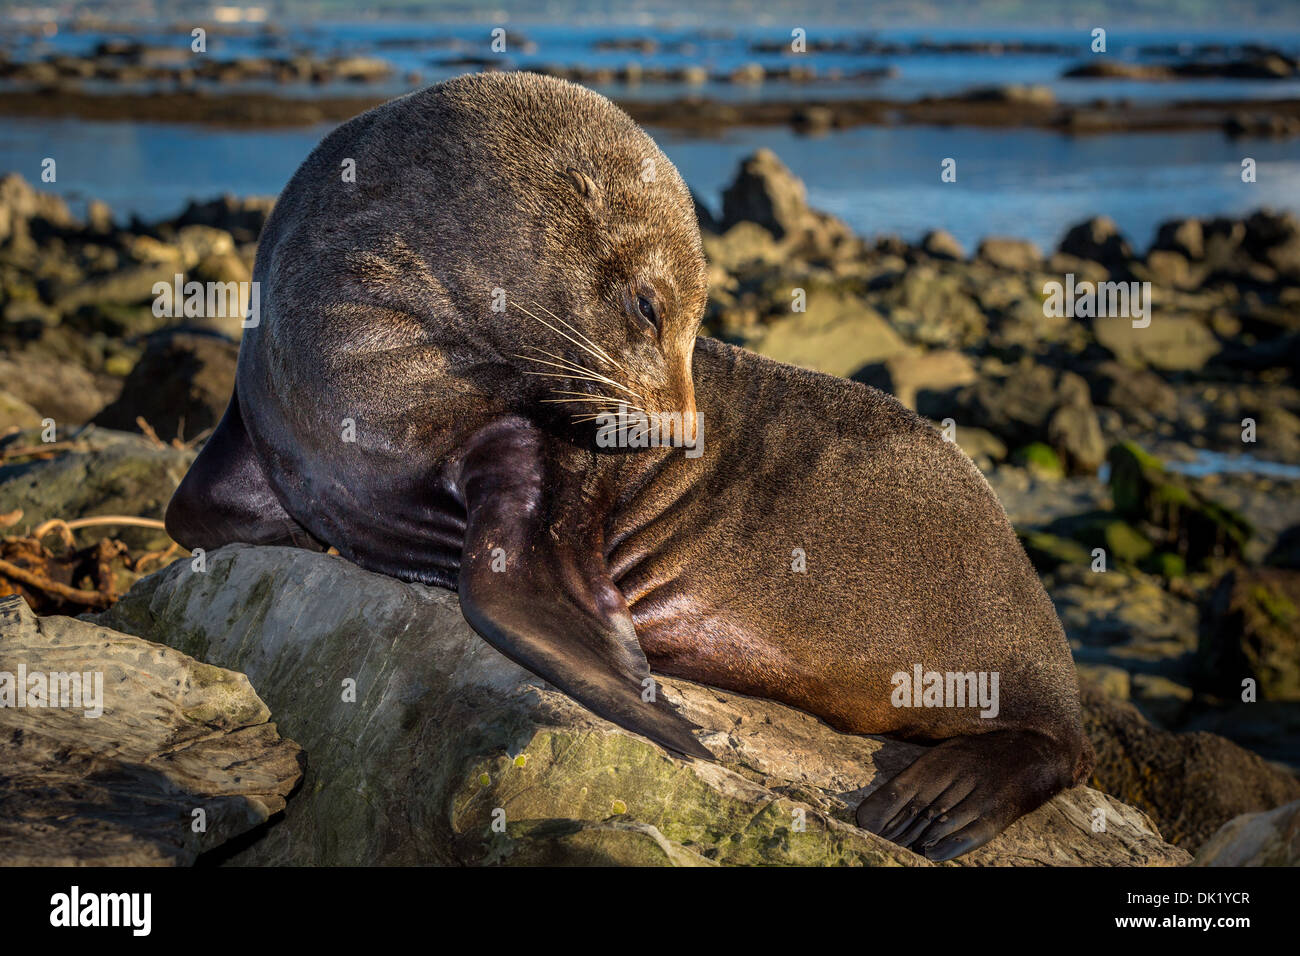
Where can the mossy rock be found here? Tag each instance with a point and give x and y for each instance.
(1197, 528)
(1049, 551)
(1040, 459)
(1251, 629)
(1125, 545)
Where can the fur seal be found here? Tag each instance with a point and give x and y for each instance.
(468, 467)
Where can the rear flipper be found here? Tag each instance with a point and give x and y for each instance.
(534, 584)
(225, 496)
(963, 792)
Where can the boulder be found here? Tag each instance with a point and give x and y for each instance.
(1190, 784)
(905, 374)
(1173, 343)
(1251, 629)
(106, 473)
(941, 244)
(1256, 839)
(837, 334)
(146, 743)
(1183, 236)
(934, 308)
(1016, 255)
(15, 413)
(1098, 240)
(767, 194)
(1032, 403)
(61, 390)
(444, 737)
(1196, 527)
(180, 386)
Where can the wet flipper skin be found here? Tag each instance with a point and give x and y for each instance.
(225, 496)
(534, 583)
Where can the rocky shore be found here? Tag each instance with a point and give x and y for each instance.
(1144, 466)
(1005, 107)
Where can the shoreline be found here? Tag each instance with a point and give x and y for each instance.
(997, 108)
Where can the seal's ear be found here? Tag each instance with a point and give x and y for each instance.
(581, 182)
(534, 584)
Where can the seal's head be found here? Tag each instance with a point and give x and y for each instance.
(589, 236)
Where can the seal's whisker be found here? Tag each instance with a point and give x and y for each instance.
(569, 326)
(593, 377)
(599, 381)
(568, 363)
(585, 348)
(612, 399)
(577, 367)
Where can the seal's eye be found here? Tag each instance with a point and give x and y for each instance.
(647, 310)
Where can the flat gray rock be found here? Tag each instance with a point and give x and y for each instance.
(428, 746)
(116, 778)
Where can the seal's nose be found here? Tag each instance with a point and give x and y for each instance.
(690, 421)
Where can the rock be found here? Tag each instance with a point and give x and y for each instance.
(20, 203)
(1141, 395)
(766, 193)
(242, 217)
(1048, 551)
(903, 375)
(837, 335)
(15, 413)
(1032, 403)
(1017, 255)
(1125, 545)
(1041, 460)
(1099, 240)
(813, 120)
(63, 391)
(1285, 552)
(1166, 267)
(1073, 430)
(198, 242)
(1197, 528)
(172, 736)
(1035, 95)
(115, 474)
(1190, 784)
(980, 445)
(446, 731)
(743, 244)
(1256, 839)
(1173, 343)
(133, 285)
(1251, 629)
(934, 308)
(180, 386)
(941, 244)
(1112, 681)
(1184, 236)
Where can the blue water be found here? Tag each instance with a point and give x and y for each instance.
(1026, 183)
(722, 50)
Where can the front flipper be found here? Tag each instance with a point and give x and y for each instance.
(534, 583)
